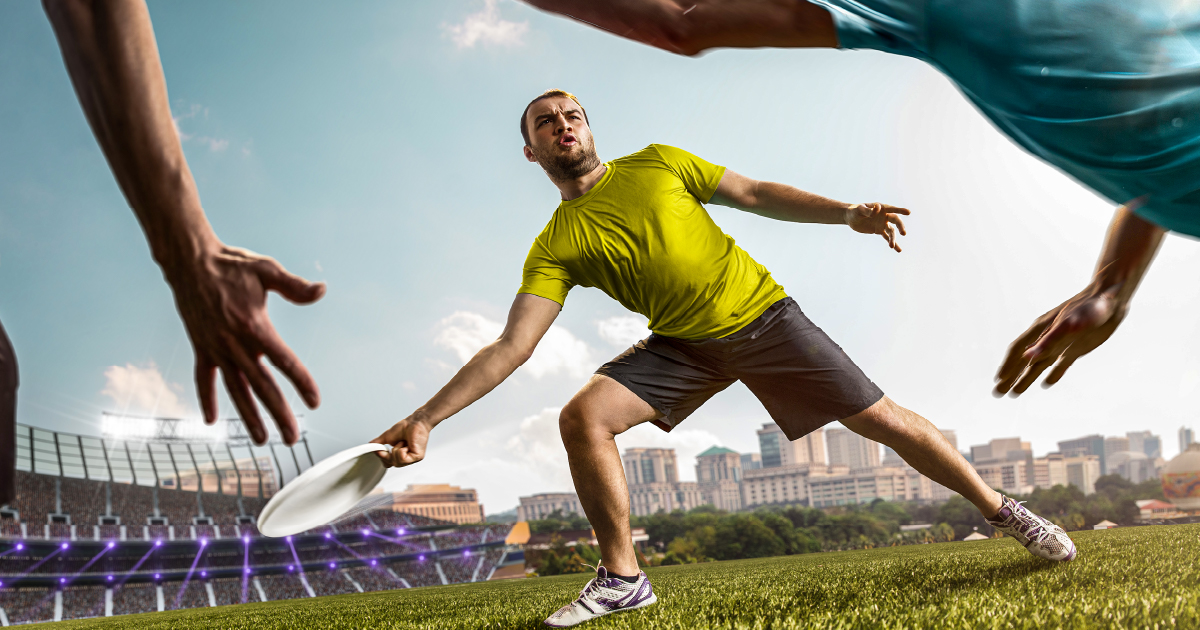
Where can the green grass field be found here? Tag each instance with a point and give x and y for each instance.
(1145, 577)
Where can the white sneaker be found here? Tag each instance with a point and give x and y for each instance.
(1041, 537)
(604, 595)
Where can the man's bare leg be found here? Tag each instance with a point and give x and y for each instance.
(921, 445)
(598, 413)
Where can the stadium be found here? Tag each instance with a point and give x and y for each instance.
(159, 514)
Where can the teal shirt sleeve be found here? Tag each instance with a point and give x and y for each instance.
(891, 26)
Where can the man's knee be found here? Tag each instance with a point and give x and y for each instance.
(573, 422)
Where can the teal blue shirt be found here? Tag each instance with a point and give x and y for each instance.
(1106, 90)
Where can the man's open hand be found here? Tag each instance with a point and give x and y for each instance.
(408, 439)
(1073, 329)
(222, 299)
(877, 218)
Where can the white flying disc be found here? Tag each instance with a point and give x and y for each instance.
(324, 492)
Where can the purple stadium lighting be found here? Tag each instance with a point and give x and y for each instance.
(400, 531)
(157, 575)
(204, 574)
(62, 580)
(421, 557)
(291, 567)
(466, 552)
(66, 545)
(328, 535)
(247, 570)
(374, 562)
(203, 542)
(158, 543)
(111, 544)
(110, 578)
(20, 546)
(366, 531)
(246, 539)
(332, 565)
(289, 539)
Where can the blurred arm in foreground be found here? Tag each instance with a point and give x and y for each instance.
(220, 291)
(1079, 325)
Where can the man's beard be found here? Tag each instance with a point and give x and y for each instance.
(565, 167)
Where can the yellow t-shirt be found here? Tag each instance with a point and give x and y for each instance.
(642, 236)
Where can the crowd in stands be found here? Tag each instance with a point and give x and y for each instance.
(418, 572)
(27, 605)
(10, 528)
(191, 595)
(135, 598)
(374, 578)
(329, 582)
(81, 602)
(179, 506)
(84, 501)
(230, 591)
(133, 503)
(388, 520)
(282, 586)
(35, 498)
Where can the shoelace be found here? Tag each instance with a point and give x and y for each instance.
(1034, 527)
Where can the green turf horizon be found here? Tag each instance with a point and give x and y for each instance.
(1138, 577)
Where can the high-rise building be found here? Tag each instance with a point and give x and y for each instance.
(1112, 446)
(783, 484)
(719, 477)
(864, 486)
(1001, 450)
(1146, 443)
(777, 450)
(1186, 437)
(1050, 471)
(751, 461)
(653, 480)
(848, 448)
(1087, 445)
(1083, 471)
(540, 506)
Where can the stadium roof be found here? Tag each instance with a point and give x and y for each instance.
(717, 450)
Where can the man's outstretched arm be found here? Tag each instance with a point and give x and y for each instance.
(788, 203)
(1079, 325)
(220, 291)
(689, 27)
(528, 320)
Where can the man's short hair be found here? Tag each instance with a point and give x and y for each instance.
(545, 95)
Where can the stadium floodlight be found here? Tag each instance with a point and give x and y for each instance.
(158, 543)
(246, 539)
(466, 552)
(62, 580)
(332, 565)
(374, 562)
(289, 539)
(328, 535)
(141, 429)
(291, 567)
(400, 531)
(204, 574)
(421, 557)
(20, 546)
(203, 542)
(157, 575)
(247, 570)
(66, 545)
(366, 532)
(111, 544)
(110, 578)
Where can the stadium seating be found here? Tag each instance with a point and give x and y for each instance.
(374, 578)
(417, 572)
(230, 591)
(284, 586)
(81, 602)
(329, 582)
(176, 595)
(27, 605)
(135, 598)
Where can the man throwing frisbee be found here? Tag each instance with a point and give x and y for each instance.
(636, 228)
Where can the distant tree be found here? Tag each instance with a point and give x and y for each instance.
(556, 521)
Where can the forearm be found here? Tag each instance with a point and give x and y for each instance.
(486, 370)
(693, 26)
(1129, 248)
(111, 56)
(788, 203)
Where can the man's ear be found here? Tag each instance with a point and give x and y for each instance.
(529, 154)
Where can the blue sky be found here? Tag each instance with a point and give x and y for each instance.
(374, 146)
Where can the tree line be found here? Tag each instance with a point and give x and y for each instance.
(706, 533)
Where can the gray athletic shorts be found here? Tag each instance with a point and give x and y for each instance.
(799, 374)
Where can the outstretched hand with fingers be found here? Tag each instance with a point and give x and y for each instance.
(1073, 329)
(877, 218)
(223, 302)
(408, 439)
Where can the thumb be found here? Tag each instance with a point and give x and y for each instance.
(291, 286)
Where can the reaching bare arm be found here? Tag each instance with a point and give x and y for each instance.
(220, 291)
(788, 203)
(1079, 325)
(528, 320)
(689, 27)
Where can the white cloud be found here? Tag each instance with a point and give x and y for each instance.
(486, 27)
(538, 445)
(623, 330)
(143, 390)
(465, 333)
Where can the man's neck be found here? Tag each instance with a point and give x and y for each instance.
(575, 188)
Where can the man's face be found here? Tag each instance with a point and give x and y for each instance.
(560, 139)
